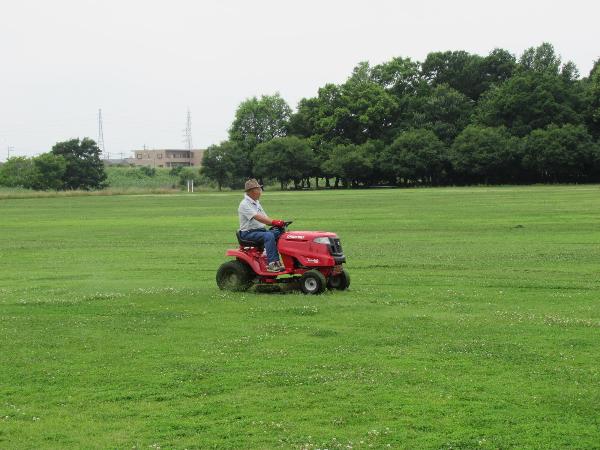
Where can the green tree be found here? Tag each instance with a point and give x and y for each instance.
(225, 164)
(472, 75)
(529, 101)
(49, 172)
(351, 163)
(417, 156)
(541, 59)
(257, 121)
(354, 112)
(443, 110)
(400, 76)
(18, 171)
(593, 101)
(458, 69)
(285, 159)
(84, 169)
(541, 92)
(497, 67)
(485, 155)
(561, 154)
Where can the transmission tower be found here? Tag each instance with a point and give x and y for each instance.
(101, 134)
(188, 131)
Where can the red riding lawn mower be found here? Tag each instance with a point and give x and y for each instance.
(312, 259)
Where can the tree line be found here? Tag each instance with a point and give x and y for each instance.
(72, 164)
(454, 119)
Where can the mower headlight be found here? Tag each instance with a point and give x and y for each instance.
(322, 240)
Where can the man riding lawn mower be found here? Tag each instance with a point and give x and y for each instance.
(312, 258)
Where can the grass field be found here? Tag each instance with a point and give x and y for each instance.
(473, 321)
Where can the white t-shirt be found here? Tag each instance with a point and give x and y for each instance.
(247, 210)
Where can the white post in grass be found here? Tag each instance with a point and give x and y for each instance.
(192, 186)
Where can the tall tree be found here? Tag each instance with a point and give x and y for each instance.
(537, 95)
(561, 154)
(225, 164)
(458, 69)
(418, 156)
(84, 168)
(592, 113)
(18, 171)
(257, 121)
(541, 59)
(353, 112)
(485, 155)
(352, 163)
(285, 159)
(497, 67)
(50, 172)
(399, 76)
(443, 110)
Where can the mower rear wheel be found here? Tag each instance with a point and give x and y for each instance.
(340, 281)
(234, 276)
(313, 282)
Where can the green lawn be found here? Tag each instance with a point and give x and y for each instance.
(473, 321)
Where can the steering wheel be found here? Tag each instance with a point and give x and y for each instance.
(285, 225)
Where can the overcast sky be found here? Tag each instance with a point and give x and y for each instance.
(145, 62)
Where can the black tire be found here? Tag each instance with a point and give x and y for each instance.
(341, 281)
(312, 282)
(234, 276)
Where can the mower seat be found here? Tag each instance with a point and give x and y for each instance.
(247, 243)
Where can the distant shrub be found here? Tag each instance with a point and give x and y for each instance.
(175, 171)
(148, 171)
(138, 178)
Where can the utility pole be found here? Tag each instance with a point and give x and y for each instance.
(188, 133)
(8, 150)
(101, 135)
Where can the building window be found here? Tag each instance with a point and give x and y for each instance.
(138, 156)
(159, 156)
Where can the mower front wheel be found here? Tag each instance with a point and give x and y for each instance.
(313, 282)
(234, 276)
(340, 281)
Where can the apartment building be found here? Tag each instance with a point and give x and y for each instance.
(167, 158)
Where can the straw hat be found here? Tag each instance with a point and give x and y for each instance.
(251, 184)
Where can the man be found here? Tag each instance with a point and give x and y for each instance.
(253, 221)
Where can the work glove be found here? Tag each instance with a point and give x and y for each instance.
(278, 223)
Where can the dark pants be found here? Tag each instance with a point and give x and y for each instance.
(268, 238)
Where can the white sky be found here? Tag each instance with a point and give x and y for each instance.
(145, 62)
